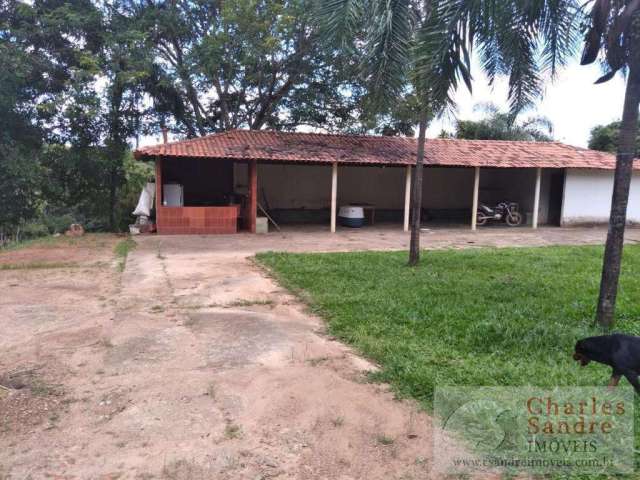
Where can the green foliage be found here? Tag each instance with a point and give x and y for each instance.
(521, 40)
(605, 138)
(383, 35)
(426, 48)
(502, 126)
(241, 64)
(81, 183)
(82, 79)
(136, 176)
(33, 230)
(20, 177)
(122, 250)
(57, 223)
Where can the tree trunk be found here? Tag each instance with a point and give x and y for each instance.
(416, 195)
(112, 200)
(621, 185)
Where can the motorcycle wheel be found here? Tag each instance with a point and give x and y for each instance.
(481, 219)
(514, 219)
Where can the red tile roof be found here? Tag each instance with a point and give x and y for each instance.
(270, 146)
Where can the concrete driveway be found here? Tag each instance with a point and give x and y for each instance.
(193, 364)
(391, 237)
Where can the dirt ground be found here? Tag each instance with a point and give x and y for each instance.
(193, 364)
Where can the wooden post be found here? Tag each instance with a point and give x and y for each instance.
(474, 208)
(536, 198)
(334, 195)
(253, 196)
(407, 198)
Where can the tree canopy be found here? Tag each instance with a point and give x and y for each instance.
(82, 80)
(499, 125)
(605, 138)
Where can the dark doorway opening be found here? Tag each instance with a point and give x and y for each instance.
(556, 192)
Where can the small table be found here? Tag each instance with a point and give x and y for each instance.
(368, 209)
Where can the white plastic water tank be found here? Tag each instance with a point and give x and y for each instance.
(351, 216)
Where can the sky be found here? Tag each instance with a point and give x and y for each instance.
(572, 102)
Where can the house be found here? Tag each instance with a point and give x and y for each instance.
(218, 183)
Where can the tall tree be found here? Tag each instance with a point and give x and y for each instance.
(125, 65)
(43, 45)
(425, 46)
(247, 63)
(614, 37)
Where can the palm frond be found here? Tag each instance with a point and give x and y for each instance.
(558, 22)
(339, 20)
(387, 52)
(442, 51)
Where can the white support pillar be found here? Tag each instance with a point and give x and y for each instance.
(474, 208)
(334, 195)
(407, 198)
(536, 198)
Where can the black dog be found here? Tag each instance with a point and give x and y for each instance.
(620, 352)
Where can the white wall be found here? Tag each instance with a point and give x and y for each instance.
(587, 197)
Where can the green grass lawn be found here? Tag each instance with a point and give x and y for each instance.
(500, 317)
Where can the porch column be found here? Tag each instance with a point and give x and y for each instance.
(474, 208)
(158, 185)
(536, 198)
(407, 198)
(253, 196)
(334, 195)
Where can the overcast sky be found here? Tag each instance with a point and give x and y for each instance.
(573, 103)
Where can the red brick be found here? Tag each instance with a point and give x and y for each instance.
(197, 220)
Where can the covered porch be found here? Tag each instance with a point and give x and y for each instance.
(196, 196)
(297, 195)
(232, 181)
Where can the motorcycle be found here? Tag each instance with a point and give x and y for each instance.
(503, 212)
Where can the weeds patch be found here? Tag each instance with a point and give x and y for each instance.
(232, 431)
(122, 250)
(384, 440)
(37, 265)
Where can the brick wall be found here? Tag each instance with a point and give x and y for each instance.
(197, 220)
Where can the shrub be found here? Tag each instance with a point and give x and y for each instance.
(58, 223)
(33, 230)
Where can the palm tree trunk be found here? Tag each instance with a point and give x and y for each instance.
(621, 185)
(416, 195)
